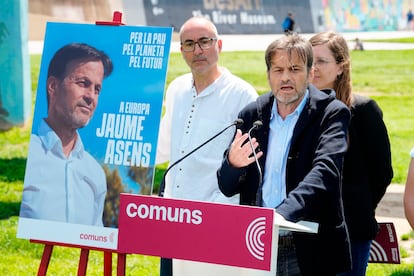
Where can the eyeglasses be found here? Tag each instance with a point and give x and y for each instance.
(322, 62)
(204, 43)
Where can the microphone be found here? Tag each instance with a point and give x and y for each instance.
(238, 122)
(256, 125)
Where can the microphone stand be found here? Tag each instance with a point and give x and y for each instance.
(257, 125)
(236, 123)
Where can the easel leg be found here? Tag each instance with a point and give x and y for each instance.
(83, 262)
(107, 263)
(44, 263)
(121, 264)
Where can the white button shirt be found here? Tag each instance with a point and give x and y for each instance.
(189, 121)
(57, 188)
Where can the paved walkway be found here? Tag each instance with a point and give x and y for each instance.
(260, 42)
(391, 209)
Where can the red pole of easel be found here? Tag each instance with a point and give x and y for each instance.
(44, 263)
(121, 262)
(116, 20)
(83, 259)
(83, 262)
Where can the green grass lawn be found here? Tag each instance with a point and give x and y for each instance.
(386, 76)
(393, 40)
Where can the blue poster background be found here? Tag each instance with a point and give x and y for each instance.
(137, 80)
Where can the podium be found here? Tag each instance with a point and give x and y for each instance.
(203, 238)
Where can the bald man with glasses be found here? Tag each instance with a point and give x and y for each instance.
(198, 105)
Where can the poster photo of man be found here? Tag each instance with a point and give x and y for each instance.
(94, 130)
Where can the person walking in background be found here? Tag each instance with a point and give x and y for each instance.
(359, 46)
(63, 182)
(288, 24)
(197, 106)
(300, 148)
(367, 170)
(410, 20)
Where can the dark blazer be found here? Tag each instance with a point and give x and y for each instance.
(367, 168)
(313, 178)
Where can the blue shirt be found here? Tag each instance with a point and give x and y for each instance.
(68, 189)
(280, 136)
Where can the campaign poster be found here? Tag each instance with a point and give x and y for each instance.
(95, 129)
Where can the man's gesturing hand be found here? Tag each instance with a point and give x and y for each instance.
(241, 154)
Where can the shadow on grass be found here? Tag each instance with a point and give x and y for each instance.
(12, 169)
(402, 273)
(9, 209)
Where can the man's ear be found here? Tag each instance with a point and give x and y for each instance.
(220, 45)
(51, 85)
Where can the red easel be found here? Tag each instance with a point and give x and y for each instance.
(83, 259)
(84, 255)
